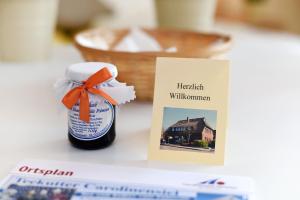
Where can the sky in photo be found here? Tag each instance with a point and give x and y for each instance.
(172, 115)
(220, 197)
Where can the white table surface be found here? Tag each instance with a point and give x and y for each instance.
(264, 130)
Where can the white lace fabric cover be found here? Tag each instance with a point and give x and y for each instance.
(120, 92)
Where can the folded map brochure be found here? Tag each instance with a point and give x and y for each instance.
(76, 181)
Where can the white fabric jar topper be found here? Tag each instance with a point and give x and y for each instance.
(90, 81)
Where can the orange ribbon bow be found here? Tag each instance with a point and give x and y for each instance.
(81, 93)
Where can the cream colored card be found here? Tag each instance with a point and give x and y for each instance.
(190, 110)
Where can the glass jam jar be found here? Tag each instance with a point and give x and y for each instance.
(99, 132)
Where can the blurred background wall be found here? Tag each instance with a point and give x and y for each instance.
(109, 13)
(275, 14)
(27, 26)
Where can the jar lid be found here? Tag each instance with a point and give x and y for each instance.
(82, 71)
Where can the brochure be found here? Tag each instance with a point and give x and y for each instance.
(35, 179)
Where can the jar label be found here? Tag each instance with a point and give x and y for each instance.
(101, 120)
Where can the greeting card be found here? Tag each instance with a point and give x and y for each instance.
(189, 110)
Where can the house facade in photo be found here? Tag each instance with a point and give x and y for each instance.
(187, 131)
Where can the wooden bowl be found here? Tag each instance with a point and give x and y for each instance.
(138, 68)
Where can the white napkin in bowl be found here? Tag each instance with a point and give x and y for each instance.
(138, 40)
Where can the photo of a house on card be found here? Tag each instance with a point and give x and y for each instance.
(188, 130)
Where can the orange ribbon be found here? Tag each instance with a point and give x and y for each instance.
(81, 93)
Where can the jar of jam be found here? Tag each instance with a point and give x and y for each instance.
(93, 90)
